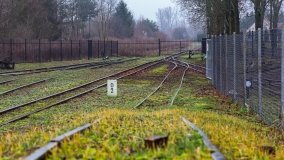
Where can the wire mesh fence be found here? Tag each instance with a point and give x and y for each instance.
(249, 68)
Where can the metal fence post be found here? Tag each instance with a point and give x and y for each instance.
(226, 63)
(39, 50)
(245, 66)
(159, 46)
(221, 65)
(99, 50)
(282, 81)
(117, 49)
(90, 49)
(50, 56)
(79, 49)
(104, 55)
(252, 44)
(180, 47)
(11, 49)
(61, 50)
(71, 48)
(234, 67)
(259, 72)
(214, 61)
(111, 48)
(25, 50)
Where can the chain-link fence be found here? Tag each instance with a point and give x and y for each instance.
(249, 68)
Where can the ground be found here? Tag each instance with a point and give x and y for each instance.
(121, 130)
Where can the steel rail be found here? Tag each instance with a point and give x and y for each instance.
(196, 68)
(158, 88)
(44, 151)
(181, 81)
(40, 70)
(23, 86)
(50, 69)
(215, 153)
(6, 82)
(104, 64)
(109, 64)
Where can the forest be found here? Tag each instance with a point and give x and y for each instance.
(84, 19)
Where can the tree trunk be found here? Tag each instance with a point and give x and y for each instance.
(259, 8)
(236, 19)
(276, 6)
(228, 12)
(258, 21)
(271, 15)
(232, 16)
(276, 11)
(209, 17)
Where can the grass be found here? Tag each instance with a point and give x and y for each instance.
(237, 134)
(159, 70)
(120, 135)
(195, 59)
(121, 131)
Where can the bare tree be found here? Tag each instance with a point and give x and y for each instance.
(219, 16)
(105, 10)
(5, 12)
(167, 18)
(275, 6)
(28, 19)
(74, 15)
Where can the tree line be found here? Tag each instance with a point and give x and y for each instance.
(224, 16)
(72, 19)
(83, 19)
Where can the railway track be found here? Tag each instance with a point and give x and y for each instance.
(197, 68)
(45, 150)
(181, 80)
(45, 80)
(66, 67)
(177, 64)
(65, 96)
(6, 82)
(24, 86)
(215, 154)
(157, 88)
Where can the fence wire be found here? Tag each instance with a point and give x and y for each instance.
(247, 68)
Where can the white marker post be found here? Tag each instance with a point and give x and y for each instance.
(112, 88)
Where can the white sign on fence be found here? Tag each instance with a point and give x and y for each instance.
(112, 88)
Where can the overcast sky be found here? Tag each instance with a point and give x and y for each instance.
(147, 8)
